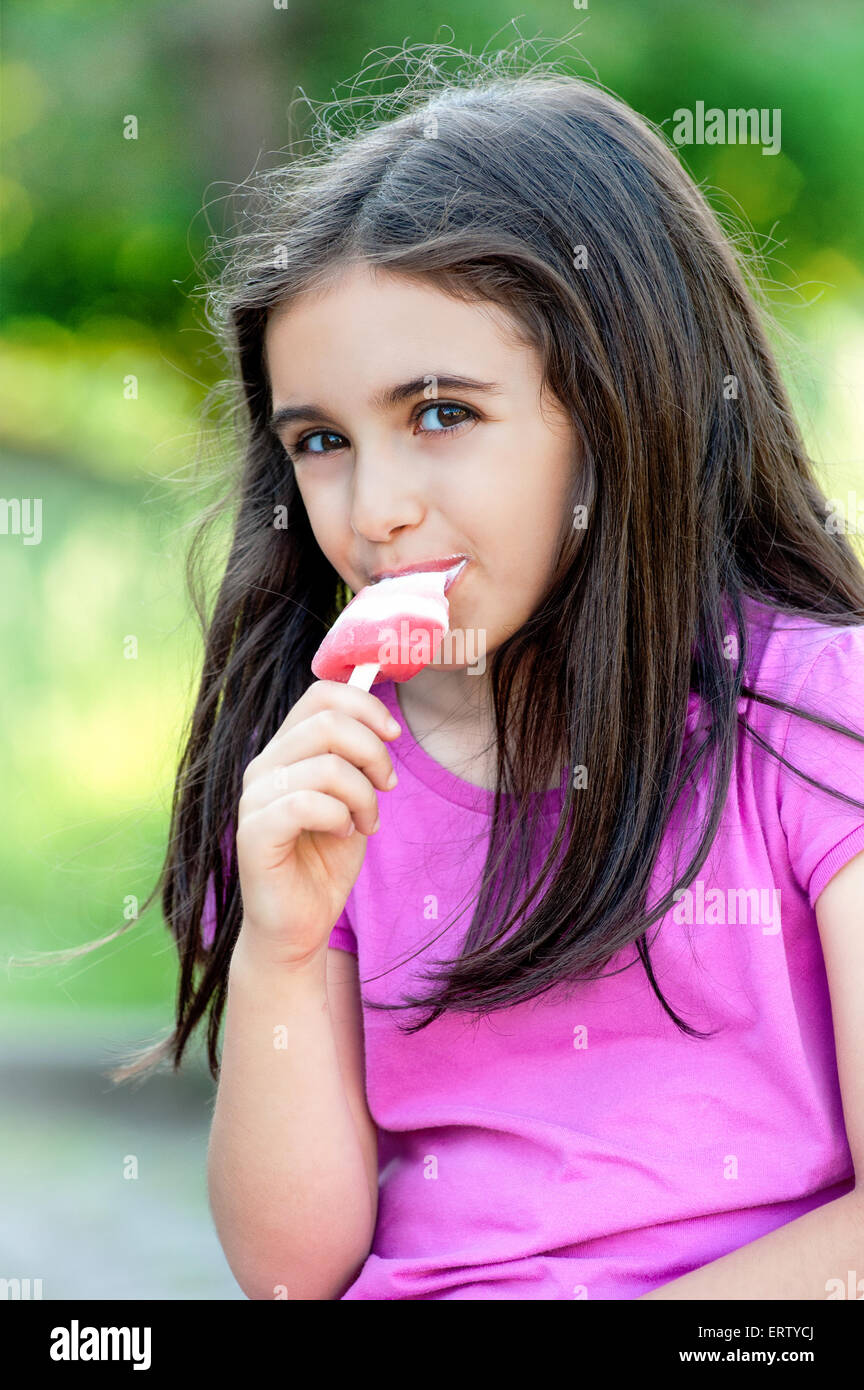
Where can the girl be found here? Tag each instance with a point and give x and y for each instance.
(548, 1016)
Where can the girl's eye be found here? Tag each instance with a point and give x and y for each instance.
(304, 444)
(453, 425)
(443, 417)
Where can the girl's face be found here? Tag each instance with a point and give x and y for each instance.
(473, 470)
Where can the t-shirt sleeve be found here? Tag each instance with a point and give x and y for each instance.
(342, 936)
(208, 916)
(823, 832)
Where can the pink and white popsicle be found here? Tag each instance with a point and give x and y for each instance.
(389, 631)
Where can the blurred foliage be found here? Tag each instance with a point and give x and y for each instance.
(106, 238)
(105, 359)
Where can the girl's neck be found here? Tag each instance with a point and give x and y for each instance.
(449, 699)
(450, 714)
(453, 724)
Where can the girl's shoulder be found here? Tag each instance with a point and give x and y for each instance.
(819, 669)
(803, 661)
(785, 644)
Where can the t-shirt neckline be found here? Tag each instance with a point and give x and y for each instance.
(440, 779)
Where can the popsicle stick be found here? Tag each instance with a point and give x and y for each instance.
(364, 674)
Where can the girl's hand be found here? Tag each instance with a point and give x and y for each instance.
(298, 850)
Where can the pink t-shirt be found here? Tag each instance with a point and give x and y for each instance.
(579, 1145)
(583, 1147)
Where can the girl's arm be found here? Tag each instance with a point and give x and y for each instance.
(289, 1176)
(819, 1255)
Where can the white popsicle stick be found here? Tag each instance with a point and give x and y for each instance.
(364, 674)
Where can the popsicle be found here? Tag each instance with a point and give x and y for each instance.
(389, 631)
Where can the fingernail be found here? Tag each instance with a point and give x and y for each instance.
(394, 727)
(391, 781)
(376, 825)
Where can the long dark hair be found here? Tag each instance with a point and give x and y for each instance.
(698, 489)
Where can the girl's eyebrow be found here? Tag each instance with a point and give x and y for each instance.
(386, 399)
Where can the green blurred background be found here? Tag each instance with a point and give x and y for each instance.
(102, 247)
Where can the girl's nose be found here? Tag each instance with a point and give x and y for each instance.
(384, 498)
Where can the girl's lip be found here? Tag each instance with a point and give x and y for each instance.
(454, 563)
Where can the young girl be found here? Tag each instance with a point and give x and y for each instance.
(547, 1014)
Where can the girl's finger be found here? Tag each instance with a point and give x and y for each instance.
(326, 731)
(328, 772)
(360, 705)
(279, 824)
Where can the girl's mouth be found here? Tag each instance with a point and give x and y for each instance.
(453, 565)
